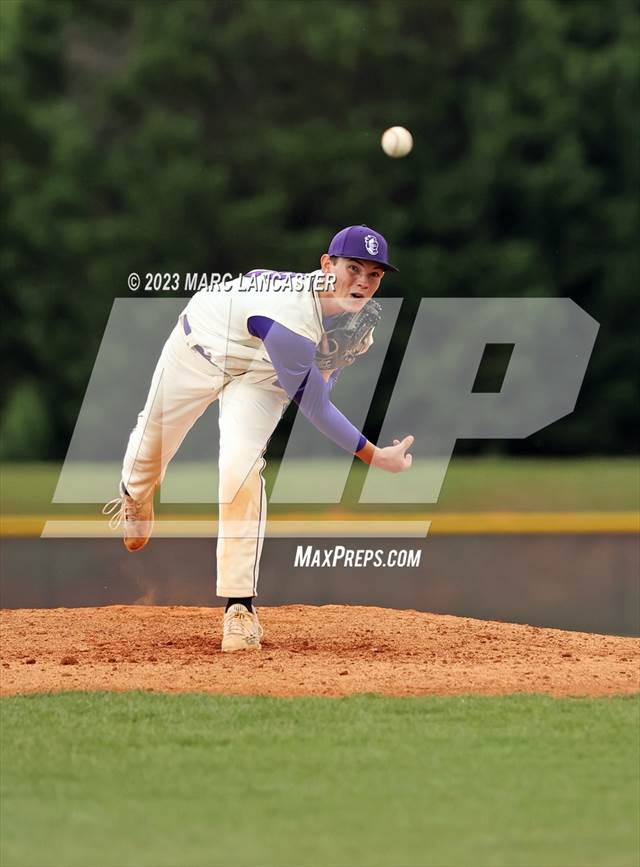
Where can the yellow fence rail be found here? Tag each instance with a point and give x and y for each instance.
(343, 524)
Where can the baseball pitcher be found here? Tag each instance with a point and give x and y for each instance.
(254, 347)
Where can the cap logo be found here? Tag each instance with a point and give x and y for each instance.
(371, 243)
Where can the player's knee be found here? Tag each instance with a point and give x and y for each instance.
(234, 479)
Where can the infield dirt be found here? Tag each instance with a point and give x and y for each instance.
(326, 650)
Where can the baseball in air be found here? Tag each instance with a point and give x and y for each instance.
(397, 141)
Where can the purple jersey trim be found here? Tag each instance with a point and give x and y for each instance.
(293, 357)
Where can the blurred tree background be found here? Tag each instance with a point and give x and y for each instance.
(221, 136)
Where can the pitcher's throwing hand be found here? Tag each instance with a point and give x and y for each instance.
(394, 459)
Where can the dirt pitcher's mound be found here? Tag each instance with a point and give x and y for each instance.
(328, 650)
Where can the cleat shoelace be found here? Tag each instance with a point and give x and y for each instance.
(121, 509)
(242, 623)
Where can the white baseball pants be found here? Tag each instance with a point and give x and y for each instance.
(184, 384)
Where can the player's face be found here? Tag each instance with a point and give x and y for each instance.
(356, 280)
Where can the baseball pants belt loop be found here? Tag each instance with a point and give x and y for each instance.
(187, 330)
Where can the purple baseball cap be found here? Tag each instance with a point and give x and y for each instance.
(361, 242)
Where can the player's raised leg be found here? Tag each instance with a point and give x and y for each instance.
(182, 387)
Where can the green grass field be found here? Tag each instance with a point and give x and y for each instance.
(141, 779)
(471, 484)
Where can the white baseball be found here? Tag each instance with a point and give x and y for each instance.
(396, 141)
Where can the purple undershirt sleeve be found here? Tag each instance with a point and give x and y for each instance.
(293, 359)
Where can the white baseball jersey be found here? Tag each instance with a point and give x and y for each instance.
(218, 319)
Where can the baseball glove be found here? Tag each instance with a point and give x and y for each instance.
(350, 336)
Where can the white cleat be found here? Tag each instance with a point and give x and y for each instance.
(241, 629)
(136, 519)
